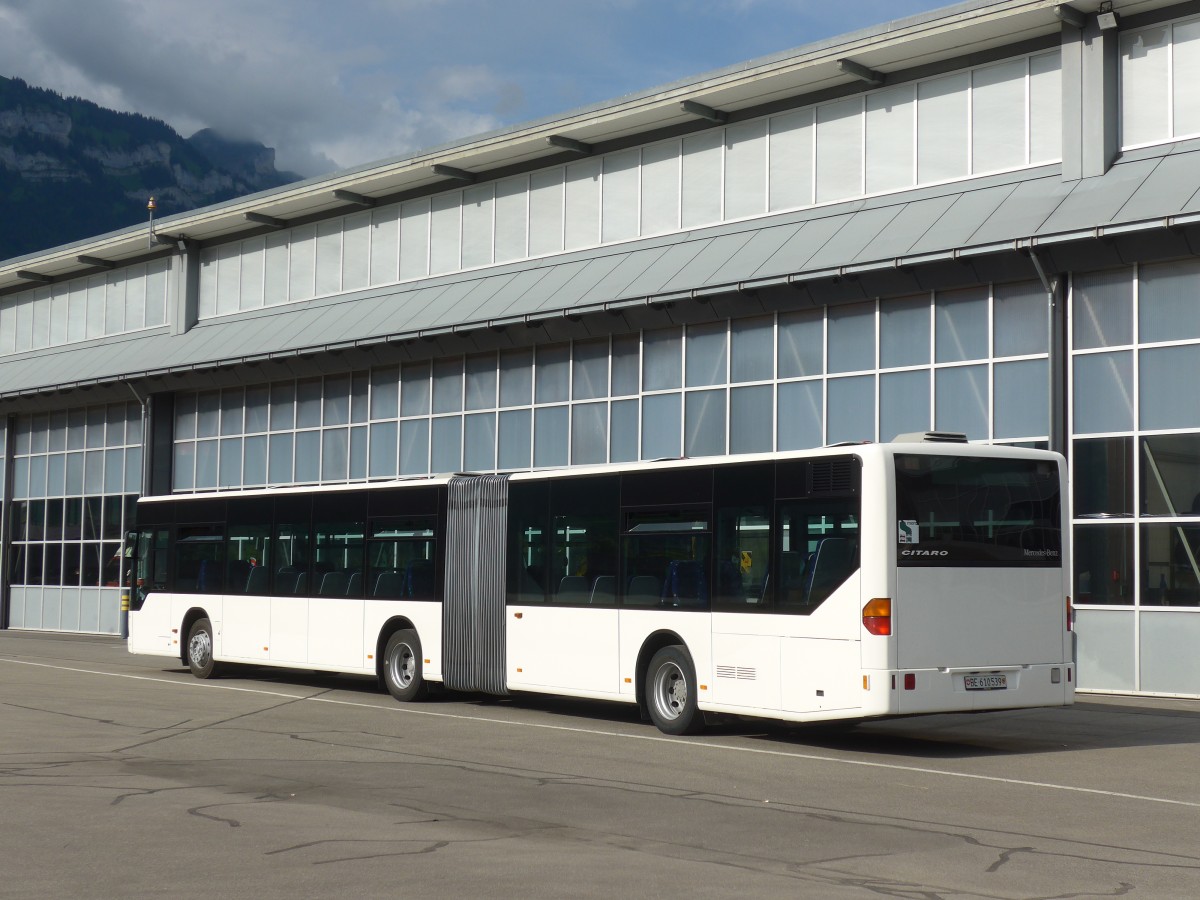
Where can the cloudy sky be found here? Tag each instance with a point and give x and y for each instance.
(335, 84)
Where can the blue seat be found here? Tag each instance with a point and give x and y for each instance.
(686, 584)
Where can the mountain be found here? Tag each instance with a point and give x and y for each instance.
(70, 169)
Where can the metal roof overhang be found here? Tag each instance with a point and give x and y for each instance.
(1146, 207)
(972, 27)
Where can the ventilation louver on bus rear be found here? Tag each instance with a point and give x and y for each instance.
(931, 437)
(831, 476)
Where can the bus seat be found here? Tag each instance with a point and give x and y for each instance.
(572, 589)
(729, 582)
(239, 572)
(642, 591)
(301, 583)
(208, 577)
(389, 584)
(832, 563)
(333, 584)
(258, 581)
(354, 585)
(419, 578)
(686, 583)
(604, 590)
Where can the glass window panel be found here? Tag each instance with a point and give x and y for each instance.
(589, 371)
(360, 389)
(414, 447)
(37, 476)
(95, 314)
(1045, 107)
(303, 262)
(704, 423)
(385, 393)
(358, 452)
(447, 385)
(660, 187)
(275, 270)
(135, 306)
(512, 218)
(232, 411)
(1102, 309)
(589, 434)
(258, 407)
(852, 338)
(385, 244)
(623, 434)
(1102, 479)
(752, 351)
(746, 169)
(792, 159)
(384, 436)
(280, 452)
(1021, 319)
(1170, 475)
(1167, 374)
(620, 202)
(21, 475)
(546, 212)
(1185, 61)
(208, 414)
(801, 344)
(891, 117)
(1103, 557)
(206, 467)
(706, 355)
(230, 472)
(626, 364)
(56, 467)
(335, 454)
(336, 400)
(962, 401)
(478, 218)
(702, 178)
(479, 442)
(414, 238)
(553, 373)
(1145, 111)
(1022, 399)
(114, 310)
(751, 419)
(329, 257)
(283, 406)
(481, 382)
(851, 409)
(1170, 563)
(1102, 389)
(663, 360)
(445, 233)
(76, 313)
(998, 116)
(903, 403)
(184, 463)
(356, 251)
(800, 415)
(447, 444)
(308, 403)
(661, 426)
(516, 439)
(516, 377)
(308, 456)
(904, 336)
(582, 217)
(942, 128)
(414, 389)
(961, 330)
(550, 436)
(840, 149)
(1169, 301)
(254, 461)
(38, 433)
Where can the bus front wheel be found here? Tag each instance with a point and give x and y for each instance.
(670, 687)
(402, 667)
(200, 649)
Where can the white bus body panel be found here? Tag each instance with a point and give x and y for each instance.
(567, 649)
(289, 629)
(242, 628)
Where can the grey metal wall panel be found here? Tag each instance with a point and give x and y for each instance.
(511, 299)
(799, 249)
(665, 268)
(962, 219)
(908, 226)
(573, 291)
(850, 241)
(549, 286)
(700, 268)
(1096, 200)
(478, 305)
(763, 244)
(632, 266)
(473, 607)
(1167, 190)
(1022, 213)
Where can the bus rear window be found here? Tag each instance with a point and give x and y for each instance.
(959, 510)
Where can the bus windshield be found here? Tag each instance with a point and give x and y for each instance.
(955, 511)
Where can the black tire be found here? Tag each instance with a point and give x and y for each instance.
(670, 692)
(200, 650)
(402, 667)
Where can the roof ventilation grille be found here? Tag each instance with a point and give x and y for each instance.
(931, 437)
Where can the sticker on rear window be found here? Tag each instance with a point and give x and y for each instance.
(909, 532)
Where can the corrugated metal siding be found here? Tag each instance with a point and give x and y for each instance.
(473, 611)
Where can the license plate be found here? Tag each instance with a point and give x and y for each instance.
(985, 682)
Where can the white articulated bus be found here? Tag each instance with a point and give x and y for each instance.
(850, 582)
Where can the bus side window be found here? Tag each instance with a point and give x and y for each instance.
(818, 551)
(200, 559)
(743, 558)
(528, 542)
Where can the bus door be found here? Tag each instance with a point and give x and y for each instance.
(562, 624)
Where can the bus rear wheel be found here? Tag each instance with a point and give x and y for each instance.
(670, 692)
(402, 667)
(200, 650)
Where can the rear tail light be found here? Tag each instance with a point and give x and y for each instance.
(1070, 616)
(877, 616)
